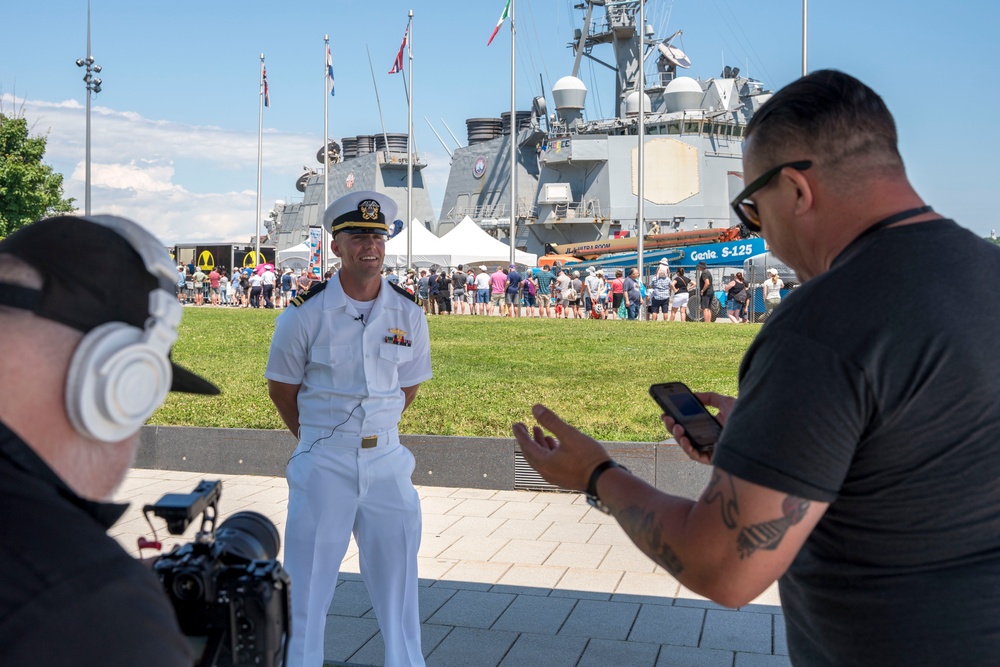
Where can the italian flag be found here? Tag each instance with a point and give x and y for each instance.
(503, 17)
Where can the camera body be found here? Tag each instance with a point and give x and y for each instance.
(229, 592)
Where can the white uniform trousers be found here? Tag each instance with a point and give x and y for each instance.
(336, 488)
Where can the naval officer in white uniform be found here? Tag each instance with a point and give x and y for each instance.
(345, 362)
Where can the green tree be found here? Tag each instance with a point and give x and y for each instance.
(29, 190)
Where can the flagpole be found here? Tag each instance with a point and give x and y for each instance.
(260, 144)
(325, 243)
(640, 223)
(513, 137)
(409, 147)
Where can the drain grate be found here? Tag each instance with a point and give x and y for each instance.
(527, 479)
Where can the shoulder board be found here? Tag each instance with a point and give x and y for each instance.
(406, 295)
(313, 290)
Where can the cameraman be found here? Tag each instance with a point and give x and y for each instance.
(86, 361)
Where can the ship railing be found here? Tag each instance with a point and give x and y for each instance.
(585, 209)
(480, 213)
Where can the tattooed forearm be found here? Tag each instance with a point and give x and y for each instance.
(643, 528)
(768, 535)
(723, 491)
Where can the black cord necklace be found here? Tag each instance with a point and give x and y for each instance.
(881, 224)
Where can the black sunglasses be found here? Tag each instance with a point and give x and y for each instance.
(745, 208)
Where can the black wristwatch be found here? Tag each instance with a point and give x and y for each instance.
(592, 498)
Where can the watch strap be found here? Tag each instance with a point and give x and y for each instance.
(594, 476)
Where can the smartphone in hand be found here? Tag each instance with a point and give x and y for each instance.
(677, 401)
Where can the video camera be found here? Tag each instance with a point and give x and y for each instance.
(229, 592)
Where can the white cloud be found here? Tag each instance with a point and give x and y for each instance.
(185, 183)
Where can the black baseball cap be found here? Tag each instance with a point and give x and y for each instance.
(95, 270)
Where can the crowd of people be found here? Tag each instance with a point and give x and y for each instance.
(565, 293)
(246, 288)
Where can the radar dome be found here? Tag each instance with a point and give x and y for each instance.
(569, 93)
(632, 103)
(683, 94)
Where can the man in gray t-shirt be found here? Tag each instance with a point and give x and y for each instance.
(859, 466)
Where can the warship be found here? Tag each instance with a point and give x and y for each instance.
(364, 162)
(577, 180)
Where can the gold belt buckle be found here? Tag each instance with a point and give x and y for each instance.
(369, 441)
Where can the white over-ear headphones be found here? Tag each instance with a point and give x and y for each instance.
(119, 373)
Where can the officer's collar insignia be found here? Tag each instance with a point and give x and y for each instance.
(369, 209)
(312, 291)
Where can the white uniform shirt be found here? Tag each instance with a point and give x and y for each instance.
(350, 370)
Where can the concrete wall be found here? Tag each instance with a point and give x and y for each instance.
(478, 463)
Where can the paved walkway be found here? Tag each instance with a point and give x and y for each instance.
(511, 578)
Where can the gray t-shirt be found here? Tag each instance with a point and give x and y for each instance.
(889, 411)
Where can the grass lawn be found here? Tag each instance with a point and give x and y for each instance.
(487, 372)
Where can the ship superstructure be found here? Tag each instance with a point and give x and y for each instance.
(365, 162)
(578, 178)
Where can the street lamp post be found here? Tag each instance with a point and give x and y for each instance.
(93, 85)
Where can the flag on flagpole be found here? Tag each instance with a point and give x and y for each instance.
(503, 17)
(397, 64)
(329, 70)
(267, 98)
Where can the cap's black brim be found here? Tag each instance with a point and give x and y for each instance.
(188, 382)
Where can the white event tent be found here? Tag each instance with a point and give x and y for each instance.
(469, 244)
(296, 257)
(427, 248)
(466, 244)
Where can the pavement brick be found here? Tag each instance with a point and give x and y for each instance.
(687, 656)
(432, 545)
(522, 529)
(646, 587)
(476, 494)
(373, 652)
(780, 638)
(434, 568)
(435, 523)
(472, 547)
(578, 555)
(610, 534)
(475, 507)
(435, 491)
(628, 558)
(737, 631)
(516, 496)
(472, 609)
(530, 579)
(525, 552)
(678, 626)
(478, 572)
(759, 660)
(455, 650)
(579, 533)
(438, 504)
(351, 599)
(607, 652)
(587, 584)
(530, 649)
(603, 620)
(512, 510)
(346, 635)
(562, 513)
(432, 599)
(536, 614)
(473, 525)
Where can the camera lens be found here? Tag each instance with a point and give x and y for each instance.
(248, 535)
(188, 587)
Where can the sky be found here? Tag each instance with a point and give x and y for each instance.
(174, 130)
